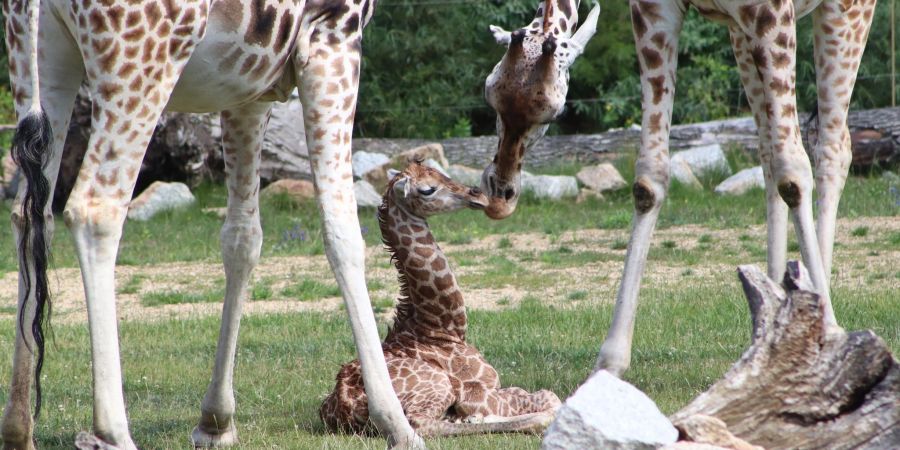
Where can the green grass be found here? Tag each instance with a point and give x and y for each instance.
(686, 337)
(292, 228)
(308, 289)
(170, 297)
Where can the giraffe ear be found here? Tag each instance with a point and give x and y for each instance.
(402, 186)
(588, 28)
(391, 173)
(500, 35)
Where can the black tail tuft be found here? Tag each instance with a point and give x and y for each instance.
(30, 145)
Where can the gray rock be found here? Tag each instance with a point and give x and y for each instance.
(704, 160)
(681, 171)
(551, 187)
(601, 178)
(464, 175)
(159, 197)
(608, 413)
(742, 182)
(366, 196)
(365, 161)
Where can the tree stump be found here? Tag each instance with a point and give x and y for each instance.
(800, 385)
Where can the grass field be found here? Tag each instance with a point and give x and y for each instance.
(549, 272)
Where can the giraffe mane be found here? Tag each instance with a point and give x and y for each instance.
(404, 302)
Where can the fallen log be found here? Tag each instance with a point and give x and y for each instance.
(800, 385)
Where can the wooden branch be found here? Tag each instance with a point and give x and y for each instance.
(800, 385)
(7, 127)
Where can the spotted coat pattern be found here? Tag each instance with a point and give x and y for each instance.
(435, 372)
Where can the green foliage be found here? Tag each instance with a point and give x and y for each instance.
(425, 67)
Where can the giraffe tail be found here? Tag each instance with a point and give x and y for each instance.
(534, 423)
(31, 143)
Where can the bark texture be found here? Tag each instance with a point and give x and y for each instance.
(800, 386)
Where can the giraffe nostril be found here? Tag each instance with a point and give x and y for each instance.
(508, 194)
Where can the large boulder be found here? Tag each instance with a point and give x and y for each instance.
(742, 182)
(704, 161)
(159, 197)
(553, 187)
(681, 171)
(364, 162)
(608, 413)
(464, 175)
(601, 177)
(366, 195)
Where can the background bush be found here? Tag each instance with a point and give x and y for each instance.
(425, 62)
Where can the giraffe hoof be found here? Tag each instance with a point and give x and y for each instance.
(224, 438)
(87, 441)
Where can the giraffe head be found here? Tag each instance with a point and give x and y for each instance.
(423, 192)
(527, 89)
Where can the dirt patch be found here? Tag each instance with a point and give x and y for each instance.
(561, 278)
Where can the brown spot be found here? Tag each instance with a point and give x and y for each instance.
(655, 121)
(438, 264)
(780, 86)
(651, 58)
(98, 22)
(747, 14)
(637, 22)
(108, 90)
(759, 57)
(658, 84)
(781, 59)
(444, 283)
(782, 40)
(262, 24)
(153, 14)
(765, 21)
(424, 252)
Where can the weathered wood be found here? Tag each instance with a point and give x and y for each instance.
(800, 385)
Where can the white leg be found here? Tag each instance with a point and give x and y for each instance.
(59, 87)
(241, 241)
(656, 26)
(328, 107)
(836, 66)
(776, 208)
(774, 53)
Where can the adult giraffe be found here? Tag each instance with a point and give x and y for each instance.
(527, 91)
(139, 57)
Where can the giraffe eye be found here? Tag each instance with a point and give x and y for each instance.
(427, 191)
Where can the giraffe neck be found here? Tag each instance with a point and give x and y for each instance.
(430, 303)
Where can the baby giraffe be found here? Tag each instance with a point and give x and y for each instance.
(445, 385)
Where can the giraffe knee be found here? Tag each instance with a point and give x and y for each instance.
(645, 196)
(790, 192)
(104, 218)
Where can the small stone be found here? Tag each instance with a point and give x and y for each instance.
(366, 161)
(159, 197)
(742, 182)
(704, 161)
(220, 212)
(601, 177)
(551, 187)
(366, 196)
(606, 412)
(298, 190)
(586, 194)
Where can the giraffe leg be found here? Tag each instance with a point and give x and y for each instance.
(771, 35)
(241, 241)
(776, 208)
(656, 26)
(328, 89)
(837, 61)
(129, 91)
(58, 89)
